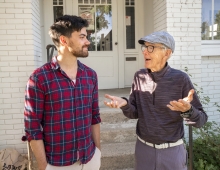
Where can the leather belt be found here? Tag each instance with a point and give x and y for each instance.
(163, 145)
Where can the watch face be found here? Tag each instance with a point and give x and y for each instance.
(185, 115)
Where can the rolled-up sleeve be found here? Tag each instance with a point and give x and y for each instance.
(95, 103)
(33, 110)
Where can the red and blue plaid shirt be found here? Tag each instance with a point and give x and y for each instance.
(61, 112)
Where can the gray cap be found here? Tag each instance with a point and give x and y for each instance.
(161, 37)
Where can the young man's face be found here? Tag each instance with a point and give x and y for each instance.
(78, 43)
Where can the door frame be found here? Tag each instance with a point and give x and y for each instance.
(140, 23)
(111, 80)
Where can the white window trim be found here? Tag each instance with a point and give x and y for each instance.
(210, 42)
(210, 48)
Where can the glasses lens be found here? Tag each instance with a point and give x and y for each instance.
(150, 48)
(143, 47)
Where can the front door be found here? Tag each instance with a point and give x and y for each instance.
(102, 34)
(112, 32)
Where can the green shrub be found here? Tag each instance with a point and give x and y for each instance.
(206, 147)
(206, 142)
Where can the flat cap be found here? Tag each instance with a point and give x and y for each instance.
(161, 37)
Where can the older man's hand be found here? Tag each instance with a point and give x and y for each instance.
(182, 105)
(116, 102)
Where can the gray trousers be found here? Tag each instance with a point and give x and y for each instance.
(149, 158)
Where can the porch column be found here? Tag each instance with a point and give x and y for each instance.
(20, 54)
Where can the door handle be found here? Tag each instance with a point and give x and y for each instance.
(116, 43)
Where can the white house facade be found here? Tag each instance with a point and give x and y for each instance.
(115, 27)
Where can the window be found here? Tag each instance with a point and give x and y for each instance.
(130, 24)
(210, 28)
(99, 16)
(57, 9)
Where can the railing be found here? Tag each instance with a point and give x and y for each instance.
(50, 50)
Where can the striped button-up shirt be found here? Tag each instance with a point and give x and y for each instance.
(61, 112)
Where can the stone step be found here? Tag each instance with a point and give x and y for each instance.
(123, 132)
(117, 156)
(126, 169)
(121, 92)
(111, 115)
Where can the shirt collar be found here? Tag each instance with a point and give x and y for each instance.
(55, 65)
(159, 74)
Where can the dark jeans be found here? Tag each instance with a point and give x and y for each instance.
(149, 158)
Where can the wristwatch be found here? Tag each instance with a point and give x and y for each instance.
(187, 114)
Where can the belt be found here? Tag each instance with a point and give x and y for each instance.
(163, 145)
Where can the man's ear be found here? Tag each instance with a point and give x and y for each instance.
(63, 40)
(168, 53)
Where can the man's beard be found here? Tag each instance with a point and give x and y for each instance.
(81, 53)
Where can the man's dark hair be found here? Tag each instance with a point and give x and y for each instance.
(65, 26)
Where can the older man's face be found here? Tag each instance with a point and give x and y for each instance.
(156, 60)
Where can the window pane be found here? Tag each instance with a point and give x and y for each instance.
(98, 1)
(92, 1)
(104, 27)
(80, 1)
(130, 28)
(54, 2)
(206, 31)
(86, 1)
(127, 2)
(60, 2)
(87, 12)
(109, 1)
(57, 12)
(216, 26)
(100, 26)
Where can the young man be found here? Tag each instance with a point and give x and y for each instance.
(157, 101)
(61, 103)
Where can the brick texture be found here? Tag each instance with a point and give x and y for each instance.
(174, 16)
(20, 55)
(211, 84)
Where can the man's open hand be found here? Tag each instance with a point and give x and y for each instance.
(182, 105)
(116, 102)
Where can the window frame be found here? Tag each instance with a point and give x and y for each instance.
(212, 41)
(63, 5)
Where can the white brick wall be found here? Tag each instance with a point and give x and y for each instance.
(20, 54)
(211, 84)
(175, 16)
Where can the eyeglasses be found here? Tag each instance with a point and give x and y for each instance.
(150, 48)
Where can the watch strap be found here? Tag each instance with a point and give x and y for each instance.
(187, 114)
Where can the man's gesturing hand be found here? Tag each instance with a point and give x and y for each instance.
(116, 102)
(182, 105)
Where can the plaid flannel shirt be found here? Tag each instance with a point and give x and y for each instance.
(61, 112)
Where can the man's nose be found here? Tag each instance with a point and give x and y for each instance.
(87, 42)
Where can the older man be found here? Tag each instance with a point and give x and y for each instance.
(157, 101)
